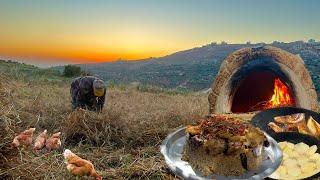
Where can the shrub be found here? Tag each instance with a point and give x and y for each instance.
(72, 71)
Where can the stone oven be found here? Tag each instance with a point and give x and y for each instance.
(250, 78)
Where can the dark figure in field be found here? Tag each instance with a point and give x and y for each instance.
(88, 92)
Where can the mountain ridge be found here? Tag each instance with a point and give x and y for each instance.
(193, 69)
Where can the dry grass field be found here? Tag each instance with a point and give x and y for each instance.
(122, 141)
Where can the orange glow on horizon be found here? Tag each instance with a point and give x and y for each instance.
(82, 32)
(81, 47)
(81, 55)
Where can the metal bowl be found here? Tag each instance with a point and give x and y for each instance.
(172, 149)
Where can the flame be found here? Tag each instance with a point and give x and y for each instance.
(281, 95)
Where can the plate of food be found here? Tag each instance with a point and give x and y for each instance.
(301, 156)
(219, 147)
(288, 119)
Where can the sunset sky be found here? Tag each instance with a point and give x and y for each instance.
(59, 32)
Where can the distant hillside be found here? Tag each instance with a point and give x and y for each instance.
(193, 69)
(22, 71)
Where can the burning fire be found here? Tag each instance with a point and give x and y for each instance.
(281, 95)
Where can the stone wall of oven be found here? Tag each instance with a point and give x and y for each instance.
(292, 66)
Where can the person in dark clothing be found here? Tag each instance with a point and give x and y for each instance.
(88, 92)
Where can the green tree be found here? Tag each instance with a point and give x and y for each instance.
(72, 71)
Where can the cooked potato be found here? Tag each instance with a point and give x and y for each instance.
(301, 148)
(312, 150)
(315, 156)
(295, 154)
(288, 150)
(318, 163)
(313, 126)
(276, 175)
(290, 145)
(282, 171)
(308, 168)
(290, 162)
(302, 161)
(299, 161)
(283, 145)
(294, 171)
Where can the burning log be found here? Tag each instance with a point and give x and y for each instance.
(281, 95)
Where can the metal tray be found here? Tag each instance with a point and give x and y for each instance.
(172, 149)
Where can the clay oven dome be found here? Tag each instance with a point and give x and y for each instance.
(250, 72)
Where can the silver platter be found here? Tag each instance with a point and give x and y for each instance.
(172, 149)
